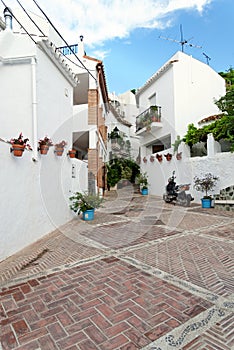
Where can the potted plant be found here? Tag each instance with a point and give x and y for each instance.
(205, 184)
(19, 144)
(142, 180)
(59, 147)
(176, 144)
(85, 203)
(44, 145)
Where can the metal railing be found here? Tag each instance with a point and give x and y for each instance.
(146, 118)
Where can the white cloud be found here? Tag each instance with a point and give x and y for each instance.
(101, 20)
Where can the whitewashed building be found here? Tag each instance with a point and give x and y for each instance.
(36, 98)
(123, 112)
(90, 108)
(181, 92)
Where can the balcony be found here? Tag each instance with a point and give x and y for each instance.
(148, 120)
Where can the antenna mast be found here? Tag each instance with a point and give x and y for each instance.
(207, 58)
(182, 41)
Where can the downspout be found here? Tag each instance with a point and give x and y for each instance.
(34, 110)
(97, 84)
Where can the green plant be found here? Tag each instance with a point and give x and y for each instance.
(84, 201)
(142, 180)
(114, 134)
(120, 168)
(205, 183)
(177, 143)
(222, 128)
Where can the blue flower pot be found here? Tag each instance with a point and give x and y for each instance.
(206, 202)
(144, 191)
(88, 215)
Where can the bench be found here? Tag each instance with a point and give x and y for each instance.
(224, 201)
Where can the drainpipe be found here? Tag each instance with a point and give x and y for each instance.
(34, 110)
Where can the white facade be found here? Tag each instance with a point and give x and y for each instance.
(216, 163)
(185, 89)
(36, 94)
(125, 106)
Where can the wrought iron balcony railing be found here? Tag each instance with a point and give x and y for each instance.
(149, 116)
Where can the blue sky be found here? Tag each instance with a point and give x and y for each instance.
(133, 60)
(125, 33)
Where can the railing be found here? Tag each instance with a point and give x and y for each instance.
(150, 115)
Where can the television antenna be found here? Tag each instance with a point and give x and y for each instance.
(207, 58)
(182, 41)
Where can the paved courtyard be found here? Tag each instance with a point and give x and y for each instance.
(142, 275)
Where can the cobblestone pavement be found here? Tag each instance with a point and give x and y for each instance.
(142, 275)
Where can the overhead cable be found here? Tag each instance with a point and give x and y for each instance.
(30, 18)
(18, 21)
(63, 39)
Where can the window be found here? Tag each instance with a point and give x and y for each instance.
(152, 100)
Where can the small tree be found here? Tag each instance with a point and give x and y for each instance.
(205, 183)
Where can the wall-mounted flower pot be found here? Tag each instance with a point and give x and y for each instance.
(44, 149)
(59, 151)
(88, 215)
(152, 159)
(179, 156)
(17, 150)
(72, 153)
(145, 160)
(168, 156)
(159, 157)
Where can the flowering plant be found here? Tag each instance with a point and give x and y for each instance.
(21, 141)
(46, 141)
(61, 144)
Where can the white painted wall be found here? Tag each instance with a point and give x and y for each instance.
(220, 164)
(79, 175)
(196, 86)
(34, 195)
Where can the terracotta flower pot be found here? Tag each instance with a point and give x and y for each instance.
(18, 150)
(44, 149)
(179, 156)
(72, 153)
(59, 151)
(159, 157)
(168, 156)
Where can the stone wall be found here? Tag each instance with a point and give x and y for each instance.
(225, 194)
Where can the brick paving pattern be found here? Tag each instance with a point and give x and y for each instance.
(206, 263)
(143, 275)
(104, 303)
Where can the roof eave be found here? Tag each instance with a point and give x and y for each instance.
(60, 62)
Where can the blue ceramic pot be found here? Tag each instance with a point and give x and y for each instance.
(144, 191)
(206, 202)
(88, 215)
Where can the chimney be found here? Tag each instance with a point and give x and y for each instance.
(8, 17)
(81, 51)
